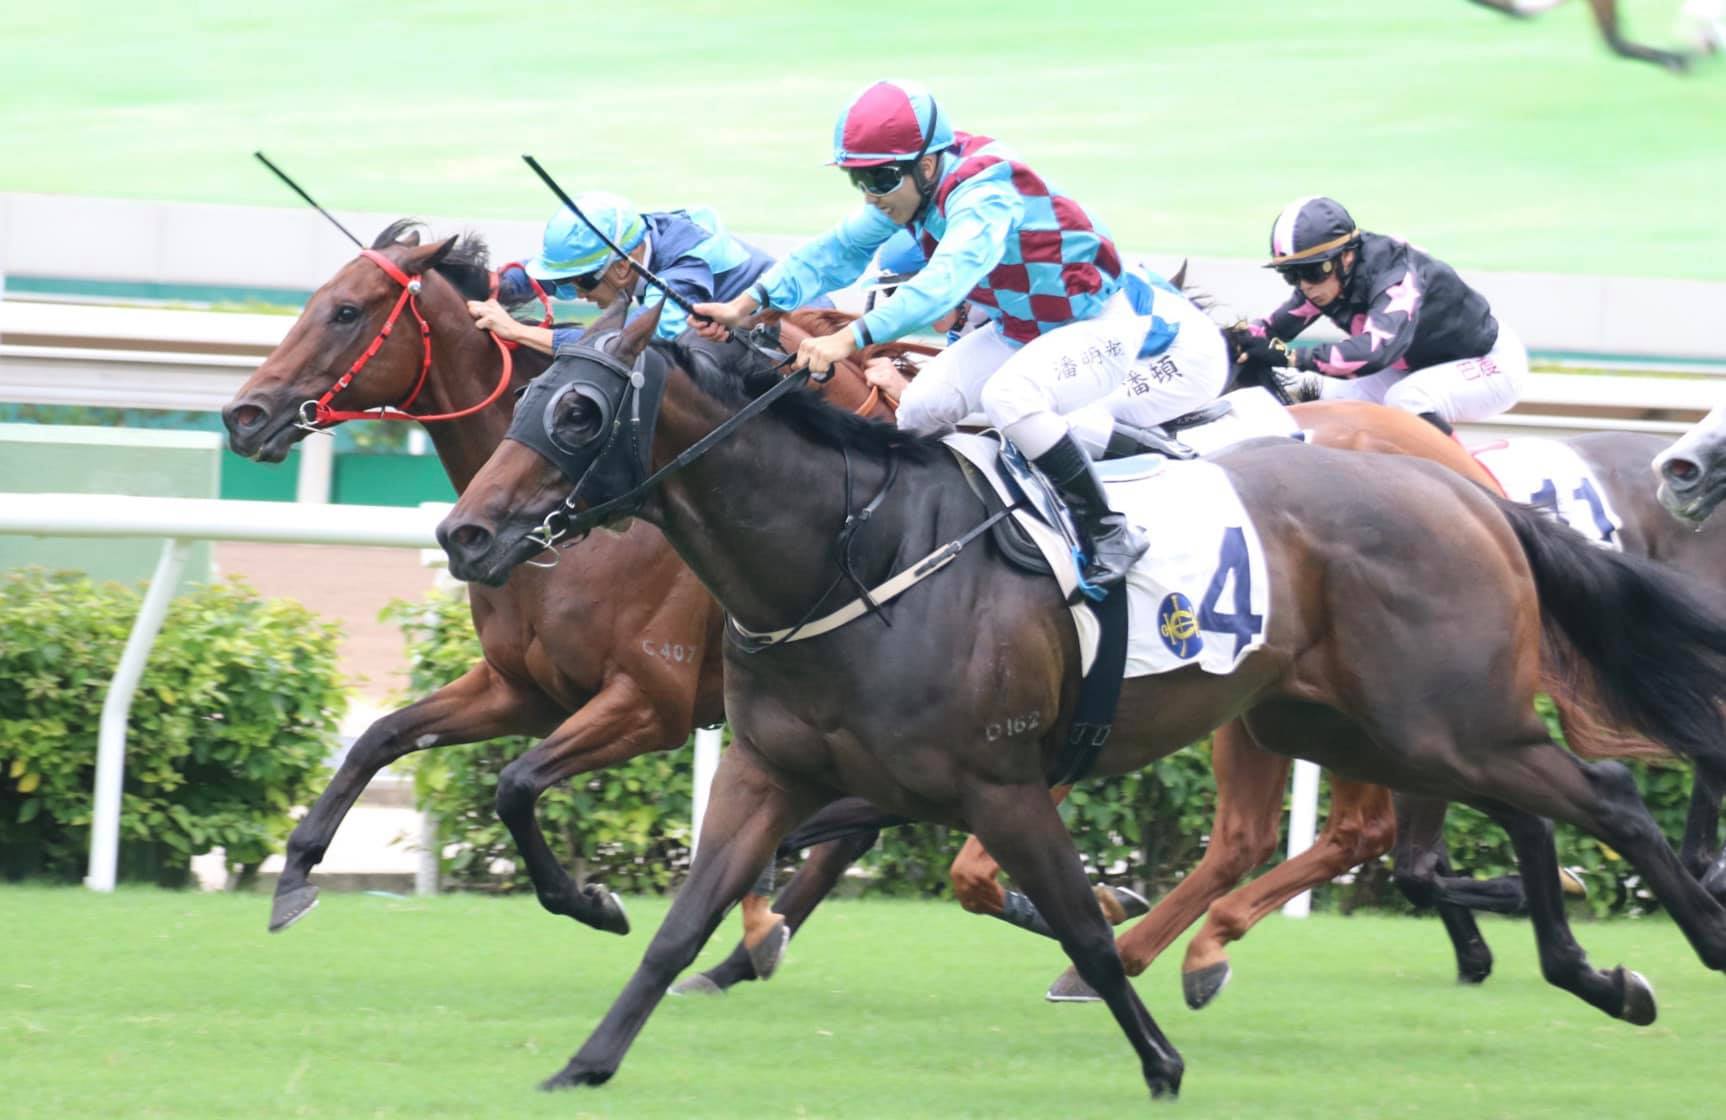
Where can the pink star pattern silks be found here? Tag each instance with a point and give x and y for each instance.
(1404, 295)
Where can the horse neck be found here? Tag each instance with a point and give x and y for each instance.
(466, 365)
(756, 517)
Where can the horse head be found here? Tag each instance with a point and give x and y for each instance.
(588, 421)
(1693, 470)
(363, 341)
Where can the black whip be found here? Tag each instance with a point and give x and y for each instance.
(295, 187)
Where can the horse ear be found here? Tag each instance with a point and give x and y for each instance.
(1179, 279)
(637, 333)
(424, 258)
(411, 237)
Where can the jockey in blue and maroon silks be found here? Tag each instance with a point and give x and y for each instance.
(1419, 338)
(1063, 332)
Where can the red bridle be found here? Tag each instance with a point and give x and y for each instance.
(322, 414)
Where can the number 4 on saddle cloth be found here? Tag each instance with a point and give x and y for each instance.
(1200, 595)
(1549, 475)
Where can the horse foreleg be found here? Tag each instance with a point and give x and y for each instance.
(1250, 784)
(1361, 827)
(811, 883)
(1420, 869)
(615, 726)
(747, 813)
(475, 706)
(1700, 852)
(1021, 828)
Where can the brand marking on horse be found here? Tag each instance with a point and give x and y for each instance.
(1014, 725)
(670, 651)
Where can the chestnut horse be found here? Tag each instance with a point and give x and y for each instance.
(1366, 668)
(567, 656)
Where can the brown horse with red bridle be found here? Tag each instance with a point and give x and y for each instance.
(568, 655)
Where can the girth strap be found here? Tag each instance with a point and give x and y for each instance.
(1099, 692)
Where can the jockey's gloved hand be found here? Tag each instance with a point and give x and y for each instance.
(1256, 349)
(1299, 384)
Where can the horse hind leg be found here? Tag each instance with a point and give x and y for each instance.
(1422, 868)
(1602, 799)
(1023, 831)
(1361, 827)
(814, 879)
(1248, 818)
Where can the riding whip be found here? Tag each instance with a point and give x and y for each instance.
(295, 187)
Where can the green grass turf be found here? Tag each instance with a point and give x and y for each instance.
(151, 1004)
(1498, 144)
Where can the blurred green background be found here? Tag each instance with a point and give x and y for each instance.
(1497, 143)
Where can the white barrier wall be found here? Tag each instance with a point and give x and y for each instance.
(203, 244)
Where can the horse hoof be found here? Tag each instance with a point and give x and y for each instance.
(1202, 985)
(765, 957)
(606, 910)
(1165, 1082)
(1120, 904)
(1069, 987)
(573, 1075)
(1570, 882)
(1639, 1008)
(698, 984)
(292, 905)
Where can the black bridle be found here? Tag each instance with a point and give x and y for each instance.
(628, 399)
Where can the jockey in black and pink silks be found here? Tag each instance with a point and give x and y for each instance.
(1420, 339)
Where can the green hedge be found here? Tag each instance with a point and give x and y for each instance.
(629, 827)
(234, 716)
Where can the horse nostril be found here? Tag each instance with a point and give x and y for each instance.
(244, 417)
(470, 538)
(1681, 471)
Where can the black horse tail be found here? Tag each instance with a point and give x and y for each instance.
(1653, 640)
(846, 818)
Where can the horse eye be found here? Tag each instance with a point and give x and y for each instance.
(346, 313)
(577, 419)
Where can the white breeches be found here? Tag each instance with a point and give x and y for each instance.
(1093, 363)
(1460, 391)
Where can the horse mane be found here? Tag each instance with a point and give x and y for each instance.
(467, 263)
(746, 375)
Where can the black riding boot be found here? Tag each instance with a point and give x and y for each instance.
(1114, 545)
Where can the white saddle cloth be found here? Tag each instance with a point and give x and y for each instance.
(1548, 474)
(1201, 596)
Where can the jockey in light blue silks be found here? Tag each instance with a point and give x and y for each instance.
(689, 249)
(1064, 330)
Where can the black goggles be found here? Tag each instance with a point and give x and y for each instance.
(1315, 272)
(569, 287)
(880, 179)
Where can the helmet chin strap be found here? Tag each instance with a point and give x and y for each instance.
(925, 189)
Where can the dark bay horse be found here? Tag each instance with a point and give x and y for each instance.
(1406, 650)
(568, 654)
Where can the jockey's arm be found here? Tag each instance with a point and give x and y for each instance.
(827, 263)
(980, 218)
(1295, 315)
(1386, 334)
(688, 276)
